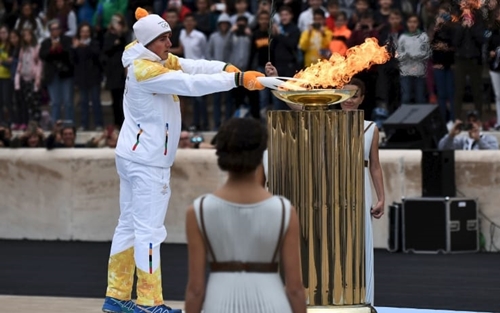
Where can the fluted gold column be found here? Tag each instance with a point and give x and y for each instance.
(316, 160)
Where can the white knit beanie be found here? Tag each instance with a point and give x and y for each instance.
(149, 26)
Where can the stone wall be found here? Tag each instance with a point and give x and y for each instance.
(85, 136)
(73, 194)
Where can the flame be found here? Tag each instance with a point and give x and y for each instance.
(466, 6)
(338, 70)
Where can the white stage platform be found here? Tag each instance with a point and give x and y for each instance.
(28, 304)
(405, 310)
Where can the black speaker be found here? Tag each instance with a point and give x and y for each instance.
(438, 173)
(415, 126)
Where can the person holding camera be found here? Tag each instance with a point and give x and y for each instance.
(238, 49)
(63, 135)
(476, 139)
(116, 38)
(33, 137)
(468, 40)
(315, 41)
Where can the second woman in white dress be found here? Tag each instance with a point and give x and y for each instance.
(373, 170)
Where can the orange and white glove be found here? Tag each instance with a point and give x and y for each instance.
(231, 68)
(249, 80)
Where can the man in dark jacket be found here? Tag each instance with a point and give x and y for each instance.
(388, 94)
(468, 41)
(115, 40)
(284, 52)
(55, 52)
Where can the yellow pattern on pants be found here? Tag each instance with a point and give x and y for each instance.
(144, 197)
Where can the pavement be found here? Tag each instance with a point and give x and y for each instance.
(26, 304)
(75, 269)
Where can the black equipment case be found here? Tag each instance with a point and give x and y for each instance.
(441, 224)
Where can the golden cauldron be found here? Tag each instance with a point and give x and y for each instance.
(316, 160)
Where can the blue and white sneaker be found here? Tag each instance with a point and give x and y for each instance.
(112, 305)
(155, 309)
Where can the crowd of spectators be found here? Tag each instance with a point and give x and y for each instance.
(50, 49)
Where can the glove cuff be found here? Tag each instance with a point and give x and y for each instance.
(238, 79)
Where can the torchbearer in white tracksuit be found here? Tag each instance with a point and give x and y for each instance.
(146, 150)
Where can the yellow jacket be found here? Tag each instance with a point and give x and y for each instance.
(312, 41)
(4, 70)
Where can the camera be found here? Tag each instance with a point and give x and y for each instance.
(466, 126)
(240, 29)
(446, 17)
(197, 139)
(316, 25)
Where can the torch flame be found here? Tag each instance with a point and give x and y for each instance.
(338, 70)
(466, 6)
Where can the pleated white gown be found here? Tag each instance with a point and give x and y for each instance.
(245, 233)
(370, 281)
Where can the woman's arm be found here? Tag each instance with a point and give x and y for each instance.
(377, 177)
(290, 256)
(195, 289)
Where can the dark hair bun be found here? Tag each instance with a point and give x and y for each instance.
(240, 145)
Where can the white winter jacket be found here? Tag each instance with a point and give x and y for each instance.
(151, 130)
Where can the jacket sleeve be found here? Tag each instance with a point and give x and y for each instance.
(425, 50)
(201, 66)
(478, 30)
(304, 40)
(152, 77)
(450, 143)
(488, 142)
(45, 50)
(401, 49)
(326, 39)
